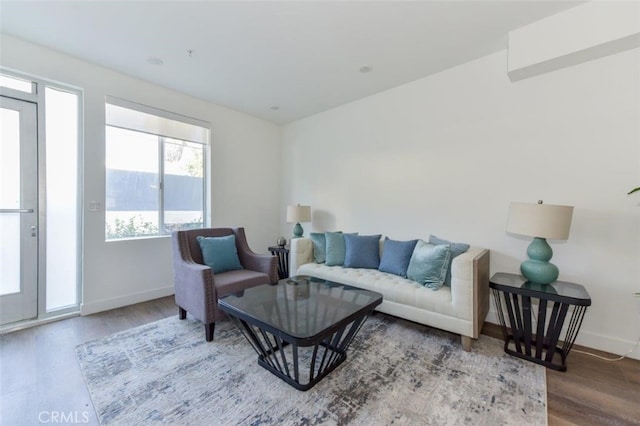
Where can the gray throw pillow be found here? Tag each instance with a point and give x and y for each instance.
(396, 256)
(428, 265)
(456, 250)
(362, 251)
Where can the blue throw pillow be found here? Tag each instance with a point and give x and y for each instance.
(396, 256)
(456, 250)
(362, 251)
(319, 246)
(336, 249)
(429, 264)
(220, 253)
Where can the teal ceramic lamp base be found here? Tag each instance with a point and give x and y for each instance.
(297, 231)
(538, 269)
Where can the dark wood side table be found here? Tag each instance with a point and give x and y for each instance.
(283, 260)
(513, 296)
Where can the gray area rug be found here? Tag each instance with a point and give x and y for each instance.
(397, 372)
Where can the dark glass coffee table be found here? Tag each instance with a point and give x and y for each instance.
(300, 327)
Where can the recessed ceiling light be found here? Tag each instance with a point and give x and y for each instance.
(365, 69)
(275, 107)
(154, 61)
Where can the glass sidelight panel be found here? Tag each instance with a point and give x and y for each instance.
(61, 129)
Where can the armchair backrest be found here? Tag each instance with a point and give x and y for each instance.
(186, 246)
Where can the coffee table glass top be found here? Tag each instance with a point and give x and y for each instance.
(302, 307)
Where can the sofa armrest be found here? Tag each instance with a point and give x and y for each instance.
(300, 252)
(470, 286)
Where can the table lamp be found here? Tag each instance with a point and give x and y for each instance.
(297, 214)
(540, 221)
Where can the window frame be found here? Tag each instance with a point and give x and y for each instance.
(162, 140)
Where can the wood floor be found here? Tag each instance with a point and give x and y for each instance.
(41, 382)
(591, 391)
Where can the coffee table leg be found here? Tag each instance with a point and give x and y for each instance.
(325, 355)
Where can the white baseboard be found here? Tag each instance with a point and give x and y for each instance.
(609, 344)
(126, 300)
(589, 339)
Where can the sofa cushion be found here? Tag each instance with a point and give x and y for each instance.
(396, 256)
(429, 264)
(336, 249)
(319, 246)
(220, 253)
(362, 251)
(456, 250)
(398, 293)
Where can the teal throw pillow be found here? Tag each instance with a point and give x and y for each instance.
(396, 256)
(319, 247)
(336, 249)
(220, 253)
(362, 251)
(428, 265)
(456, 250)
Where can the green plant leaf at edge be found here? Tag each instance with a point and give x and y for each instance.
(633, 190)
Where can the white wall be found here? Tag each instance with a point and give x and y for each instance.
(245, 178)
(447, 154)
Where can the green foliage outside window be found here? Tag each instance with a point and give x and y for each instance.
(136, 226)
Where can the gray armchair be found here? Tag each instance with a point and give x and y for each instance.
(198, 287)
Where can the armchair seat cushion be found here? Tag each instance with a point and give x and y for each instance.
(234, 281)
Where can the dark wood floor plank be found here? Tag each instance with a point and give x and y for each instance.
(563, 410)
(596, 402)
(39, 372)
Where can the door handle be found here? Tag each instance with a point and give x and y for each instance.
(16, 210)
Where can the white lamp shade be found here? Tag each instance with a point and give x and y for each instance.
(540, 220)
(297, 214)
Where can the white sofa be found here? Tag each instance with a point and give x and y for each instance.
(460, 308)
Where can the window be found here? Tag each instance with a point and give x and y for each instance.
(16, 84)
(155, 171)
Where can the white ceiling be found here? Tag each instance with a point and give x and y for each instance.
(301, 56)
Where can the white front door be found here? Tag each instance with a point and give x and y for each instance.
(18, 210)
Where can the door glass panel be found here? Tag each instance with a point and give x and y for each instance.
(9, 253)
(9, 199)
